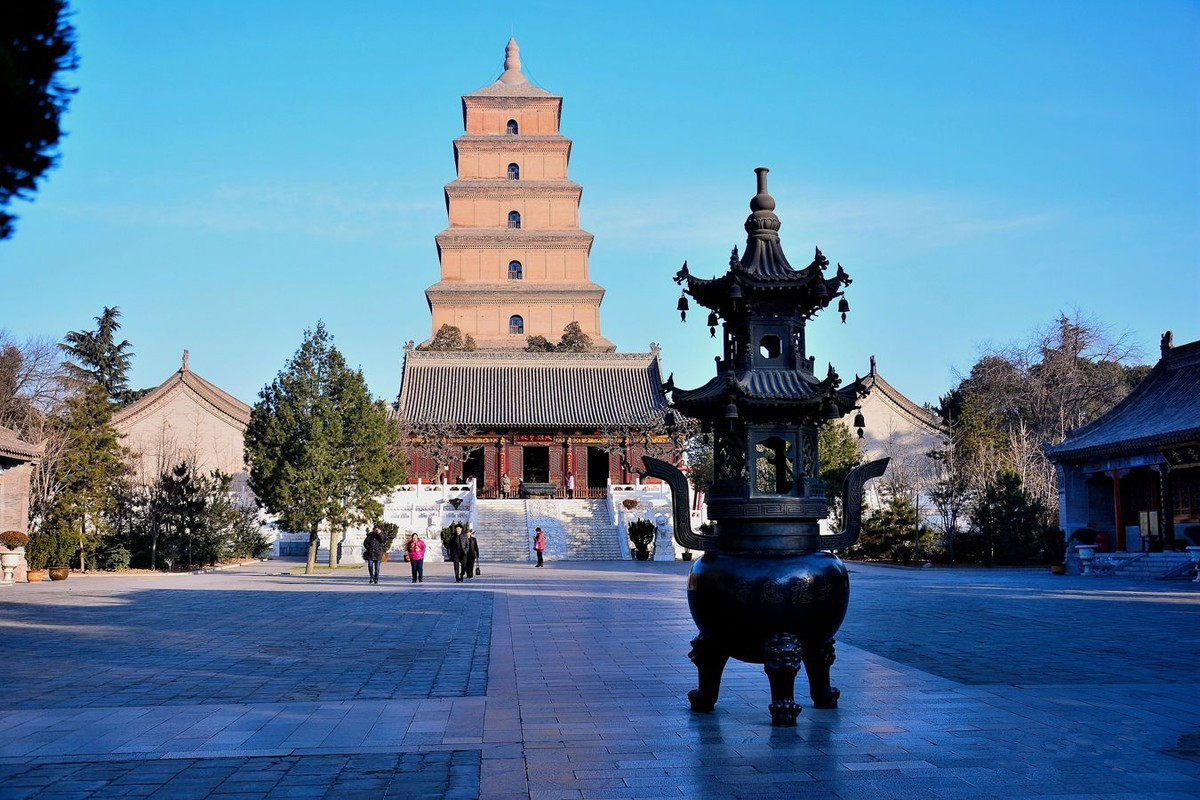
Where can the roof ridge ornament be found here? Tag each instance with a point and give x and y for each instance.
(762, 222)
(512, 64)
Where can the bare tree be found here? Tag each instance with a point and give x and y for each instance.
(31, 383)
(1021, 398)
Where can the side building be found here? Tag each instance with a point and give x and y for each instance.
(186, 418)
(907, 433)
(1134, 473)
(17, 460)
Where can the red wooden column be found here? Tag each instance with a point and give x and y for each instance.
(1118, 528)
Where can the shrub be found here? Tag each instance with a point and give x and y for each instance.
(1055, 541)
(1010, 520)
(389, 531)
(51, 547)
(13, 539)
(112, 557)
(641, 533)
(889, 532)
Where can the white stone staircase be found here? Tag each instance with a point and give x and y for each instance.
(503, 530)
(578, 530)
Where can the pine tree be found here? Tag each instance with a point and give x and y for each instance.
(100, 357)
(838, 453)
(88, 471)
(37, 45)
(1010, 521)
(319, 449)
(450, 337)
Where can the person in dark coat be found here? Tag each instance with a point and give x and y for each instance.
(373, 553)
(471, 555)
(459, 544)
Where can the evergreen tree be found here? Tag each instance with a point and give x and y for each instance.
(538, 344)
(574, 340)
(1010, 521)
(97, 356)
(37, 45)
(839, 452)
(88, 471)
(319, 449)
(450, 337)
(177, 509)
(891, 532)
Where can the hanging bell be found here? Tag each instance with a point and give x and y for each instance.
(712, 324)
(731, 411)
(682, 308)
(859, 422)
(843, 307)
(820, 292)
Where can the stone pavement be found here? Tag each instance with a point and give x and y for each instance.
(570, 682)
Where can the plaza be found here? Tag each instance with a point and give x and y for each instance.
(570, 682)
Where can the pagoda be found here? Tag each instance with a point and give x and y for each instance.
(514, 264)
(514, 260)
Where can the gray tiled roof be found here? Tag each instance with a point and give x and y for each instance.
(530, 390)
(13, 447)
(1164, 409)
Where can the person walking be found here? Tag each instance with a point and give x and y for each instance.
(539, 545)
(415, 547)
(373, 553)
(570, 485)
(471, 555)
(505, 486)
(458, 551)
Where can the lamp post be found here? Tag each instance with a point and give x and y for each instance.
(767, 590)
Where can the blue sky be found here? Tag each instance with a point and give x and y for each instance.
(235, 171)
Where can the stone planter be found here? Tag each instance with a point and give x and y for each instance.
(1087, 556)
(9, 561)
(36, 575)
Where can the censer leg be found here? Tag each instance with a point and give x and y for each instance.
(710, 660)
(818, 658)
(782, 660)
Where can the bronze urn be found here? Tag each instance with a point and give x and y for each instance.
(768, 589)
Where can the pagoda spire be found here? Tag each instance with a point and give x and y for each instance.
(512, 64)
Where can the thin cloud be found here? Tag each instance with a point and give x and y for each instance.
(315, 211)
(925, 221)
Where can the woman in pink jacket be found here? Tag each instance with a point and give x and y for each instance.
(539, 545)
(415, 547)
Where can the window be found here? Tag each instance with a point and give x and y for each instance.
(774, 470)
(512, 127)
(770, 346)
(514, 172)
(514, 271)
(516, 324)
(514, 220)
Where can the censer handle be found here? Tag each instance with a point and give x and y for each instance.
(852, 495)
(682, 515)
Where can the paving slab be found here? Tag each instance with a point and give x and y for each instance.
(571, 681)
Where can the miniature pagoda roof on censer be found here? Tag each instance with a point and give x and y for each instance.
(761, 287)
